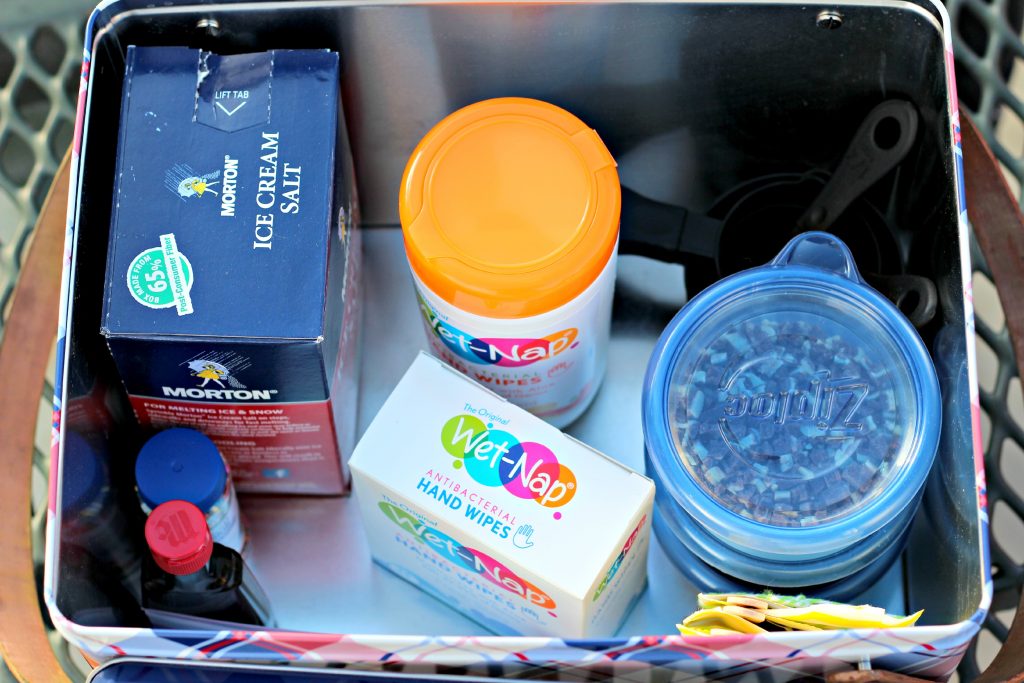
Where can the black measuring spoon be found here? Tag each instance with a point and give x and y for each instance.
(880, 143)
(752, 222)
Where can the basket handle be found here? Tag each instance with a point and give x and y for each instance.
(24, 354)
(999, 227)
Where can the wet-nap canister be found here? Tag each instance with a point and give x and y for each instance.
(510, 212)
(792, 414)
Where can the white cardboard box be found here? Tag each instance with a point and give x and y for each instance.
(499, 514)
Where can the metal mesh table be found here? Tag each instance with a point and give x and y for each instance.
(990, 82)
(39, 70)
(40, 63)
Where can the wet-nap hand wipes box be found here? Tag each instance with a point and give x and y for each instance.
(497, 513)
(231, 302)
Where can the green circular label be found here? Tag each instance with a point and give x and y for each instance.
(159, 279)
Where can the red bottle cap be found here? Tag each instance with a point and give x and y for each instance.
(179, 538)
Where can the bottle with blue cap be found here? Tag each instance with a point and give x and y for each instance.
(94, 529)
(183, 464)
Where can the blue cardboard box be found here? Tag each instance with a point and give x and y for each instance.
(231, 300)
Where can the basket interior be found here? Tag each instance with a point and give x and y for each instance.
(693, 99)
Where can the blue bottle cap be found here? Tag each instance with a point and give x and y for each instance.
(84, 474)
(180, 464)
(791, 405)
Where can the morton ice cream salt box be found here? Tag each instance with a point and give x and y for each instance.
(231, 296)
(499, 514)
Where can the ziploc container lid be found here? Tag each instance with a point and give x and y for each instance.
(510, 207)
(180, 464)
(791, 405)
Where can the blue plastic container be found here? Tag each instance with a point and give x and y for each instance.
(767, 572)
(882, 548)
(709, 579)
(791, 415)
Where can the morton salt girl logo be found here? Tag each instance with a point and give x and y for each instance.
(468, 558)
(184, 181)
(502, 352)
(215, 376)
(212, 371)
(493, 457)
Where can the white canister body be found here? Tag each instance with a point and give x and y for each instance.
(550, 364)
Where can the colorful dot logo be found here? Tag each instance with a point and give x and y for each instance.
(494, 457)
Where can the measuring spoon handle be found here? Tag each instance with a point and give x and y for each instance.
(882, 141)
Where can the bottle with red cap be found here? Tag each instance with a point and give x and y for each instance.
(189, 574)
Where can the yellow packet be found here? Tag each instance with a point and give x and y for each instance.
(726, 611)
(716, 618)
(835, 615)
(790, 625)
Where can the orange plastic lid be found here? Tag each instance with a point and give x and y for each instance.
(510, 208)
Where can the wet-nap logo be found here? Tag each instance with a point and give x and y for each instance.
(617, 564)
(469, 558)
(503, 352)
(493, 457)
